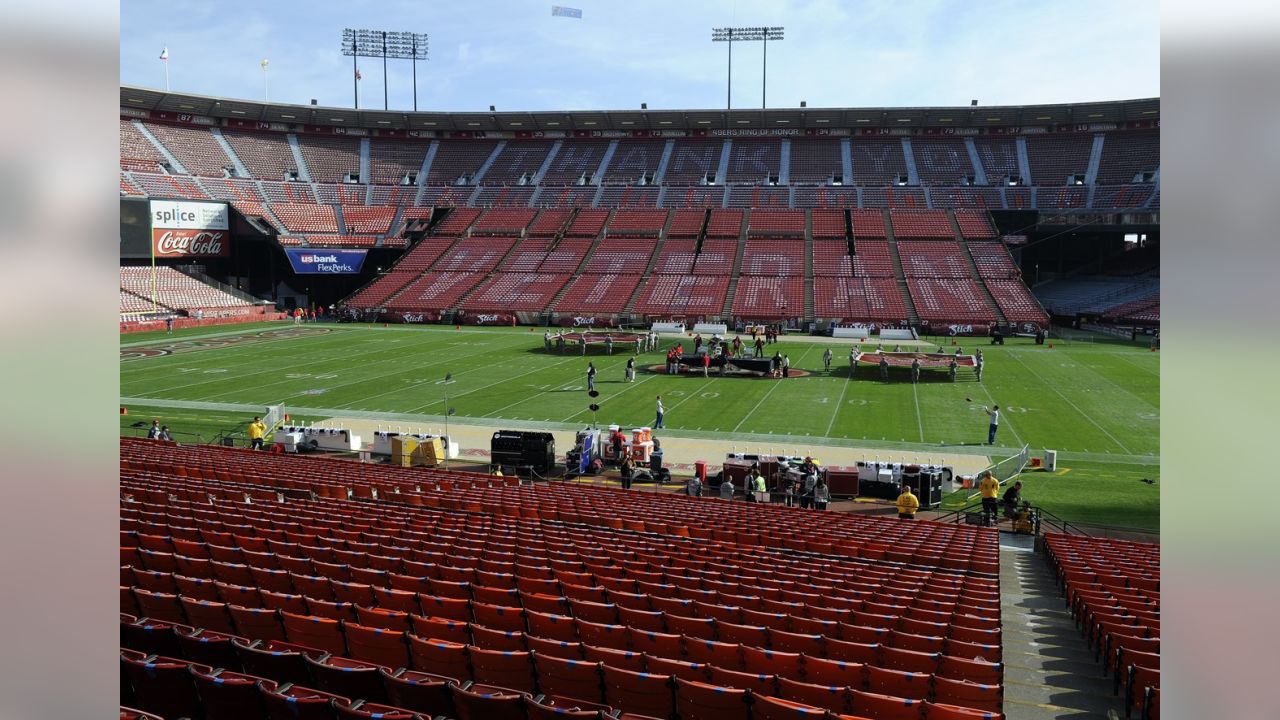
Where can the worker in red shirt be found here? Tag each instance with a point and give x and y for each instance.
(706, 364)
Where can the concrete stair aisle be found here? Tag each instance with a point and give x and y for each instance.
(973, 270)
(808, 273)
(1049, 671)
(735, 274)
(898, 272)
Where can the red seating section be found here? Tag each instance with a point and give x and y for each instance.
(330, 159)
(816, 160)
(780, 223)
(683, 295)
(932, 259)
(1113, 590)
(306, 218)
(615, 256)
(390, 160)
(197, 150)
(942, 300)
(590, 293)
(454, 160)
(941, 160)
(921, 224)
(691, 160)
(766, 298)
(859, 299)
(868, 224)
(517, 158)
(975, 225)
(504, 221)
(173, 291)
(876, 161)
(508, 292)
(574, 160)
(777, 258)
(646, 223)
(1054, 157)
(498, 550)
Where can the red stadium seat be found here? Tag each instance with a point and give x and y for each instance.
(702, 701)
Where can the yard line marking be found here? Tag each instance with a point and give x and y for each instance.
(776, 383)
(504, 380)
(527, 398)
(242, 331)
(630, 386)
(1073, 405)
(291, 360)
(839, 403)
(919, 420)
(367, 378)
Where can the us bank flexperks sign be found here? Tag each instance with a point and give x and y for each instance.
(326, 261)
(190, 229)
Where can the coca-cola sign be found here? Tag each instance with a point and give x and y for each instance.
(190, 243)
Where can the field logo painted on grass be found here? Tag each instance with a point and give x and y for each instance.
(182, 346)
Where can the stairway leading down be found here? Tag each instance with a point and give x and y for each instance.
(1049, 670)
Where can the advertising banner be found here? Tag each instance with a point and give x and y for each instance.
(587, 321)
(473, 318)
(325, 261)
(190, 229)
(412, 317)
(190, 243)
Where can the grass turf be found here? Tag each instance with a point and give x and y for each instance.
(1096, 403)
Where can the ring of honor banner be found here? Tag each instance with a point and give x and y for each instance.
(325, 261)
(190, 229)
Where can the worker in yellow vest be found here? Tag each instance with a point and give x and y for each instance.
(907, 504)
(257, 431)
(989, 488)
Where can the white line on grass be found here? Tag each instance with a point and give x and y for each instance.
(367, 378)
(504, 380)
(630, 386)
(1076, 407)
(919, 420)
(839, 403)
(291, 361)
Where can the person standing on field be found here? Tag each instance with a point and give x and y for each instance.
(826, 359)
(657, 423)
(631, 370)
(915, 370)
(994, 413)
(591, 377)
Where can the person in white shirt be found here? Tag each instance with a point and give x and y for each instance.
(658, 422)
(995, 423)
(826, 358)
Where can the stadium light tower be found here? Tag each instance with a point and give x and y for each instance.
(395, 44)
(744, 34)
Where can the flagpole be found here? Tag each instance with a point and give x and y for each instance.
(166, 70)
(266, 95)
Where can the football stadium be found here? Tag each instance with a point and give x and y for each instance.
(776, 413)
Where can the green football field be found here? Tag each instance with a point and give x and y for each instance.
(1097, 403)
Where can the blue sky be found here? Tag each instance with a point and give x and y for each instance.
(514, 54)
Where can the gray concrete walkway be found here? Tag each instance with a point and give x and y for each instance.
(1049, 671)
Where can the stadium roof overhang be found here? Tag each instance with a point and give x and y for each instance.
(1120, 111)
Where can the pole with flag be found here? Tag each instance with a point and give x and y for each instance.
(266, 96)
(164, 56)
